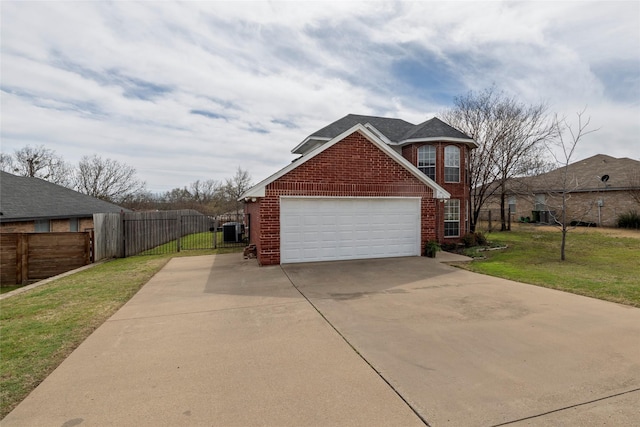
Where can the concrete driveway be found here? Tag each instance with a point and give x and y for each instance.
(465, 349)
(218, 340)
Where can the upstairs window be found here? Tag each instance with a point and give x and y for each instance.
(427, 160)
(451, 164)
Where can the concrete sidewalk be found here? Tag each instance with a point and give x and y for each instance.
(214, 341)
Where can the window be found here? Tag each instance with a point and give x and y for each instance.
(42, 226)
(73, 224)
(540, 203)
(452, 218)
(427, 160)
(512, 204)
(451, 164)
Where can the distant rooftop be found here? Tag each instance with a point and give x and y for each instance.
(24, 198)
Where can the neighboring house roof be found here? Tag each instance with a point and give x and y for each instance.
(585, 176)
(24, 198)
(258, 190)
(391, 131)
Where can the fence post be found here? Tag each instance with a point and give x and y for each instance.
(215, 233)
(178, 229)
(490, 228)
(22, 259)
(122, 236)
(89, 245)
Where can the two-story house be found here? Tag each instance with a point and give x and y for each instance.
(363, 187)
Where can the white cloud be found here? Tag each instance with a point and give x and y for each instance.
(187, 91)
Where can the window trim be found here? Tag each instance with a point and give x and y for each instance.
(40, 224)
(447, 204)
(447, 158)
(431, 150)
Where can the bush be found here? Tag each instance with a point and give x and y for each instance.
(430, 248)
(629, 219)
(474, 239)
(469, 240)
(481, 239)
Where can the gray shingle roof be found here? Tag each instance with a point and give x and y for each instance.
(434, 128)
(583, 176)
(586, 174)
(24, 198)
(395, 130)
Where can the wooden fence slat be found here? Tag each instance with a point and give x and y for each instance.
(40, 255)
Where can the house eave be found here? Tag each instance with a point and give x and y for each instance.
(303, 146)
(469, 142)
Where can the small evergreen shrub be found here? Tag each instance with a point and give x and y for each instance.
(629, 219)
(431, 248)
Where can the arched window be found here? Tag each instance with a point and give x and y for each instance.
(427, 160)
(451, 164)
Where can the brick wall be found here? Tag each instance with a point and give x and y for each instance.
(458, 190)
(352, 167)
(17, 227)
(584, 206)
(580, 206)
(57, 225)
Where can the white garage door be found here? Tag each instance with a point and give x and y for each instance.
(326, 229)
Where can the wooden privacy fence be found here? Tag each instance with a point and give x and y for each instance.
(26, 257)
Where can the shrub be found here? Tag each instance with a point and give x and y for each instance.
(430, 248)
(629, 219)
(469, 240)
(474, 239)
(481, 239)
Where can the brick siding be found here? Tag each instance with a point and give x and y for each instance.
(354, 167)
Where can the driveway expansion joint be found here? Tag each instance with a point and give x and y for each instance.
(409, 405)
(635, 390)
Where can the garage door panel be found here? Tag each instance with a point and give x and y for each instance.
(319, 229)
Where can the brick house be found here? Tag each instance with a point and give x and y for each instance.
(363, 187)
(600, 188)
(29, 205)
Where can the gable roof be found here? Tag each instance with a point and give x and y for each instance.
(258, 190)
(586, 175)
(25, 198)
(392, 131)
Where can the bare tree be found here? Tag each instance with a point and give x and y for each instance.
(107, 179)
(235, 187)
(38, 162)
(510, 137)
(567, 140)
(6, 163)
(633, 178)
(207, 192)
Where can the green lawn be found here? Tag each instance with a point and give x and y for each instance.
(195, 241)
(597, 265)
(41, 327)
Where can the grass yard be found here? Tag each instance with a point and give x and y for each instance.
(600, 263)
(41, 327)
(195, 241)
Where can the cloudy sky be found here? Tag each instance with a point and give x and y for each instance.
(193, 90)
